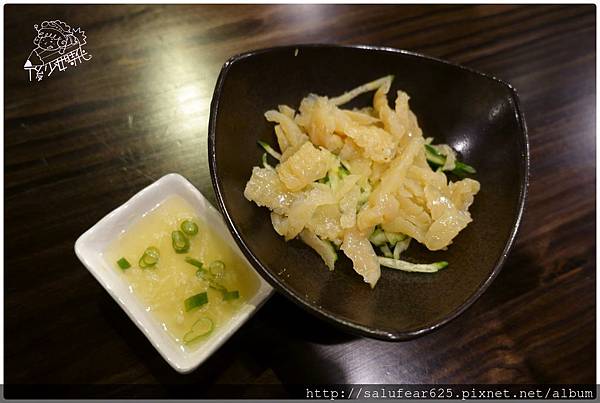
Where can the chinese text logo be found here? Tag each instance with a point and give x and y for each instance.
(57, 47)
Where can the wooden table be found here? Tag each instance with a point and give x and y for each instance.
(82, 141)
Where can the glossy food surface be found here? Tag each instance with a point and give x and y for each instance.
(85, 140)
(165, 286)
(475, 114)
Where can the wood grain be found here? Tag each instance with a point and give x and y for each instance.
(81, 142)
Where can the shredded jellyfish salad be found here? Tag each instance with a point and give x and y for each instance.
(363, 181)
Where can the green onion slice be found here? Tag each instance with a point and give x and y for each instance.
(149, 258)
(217, 268)
(217, 286)
(195, 301)
(202, 327)
(206, 275)
(189, 228)
(180, 242)
(230, 295)
(123, 263)
(194, 262)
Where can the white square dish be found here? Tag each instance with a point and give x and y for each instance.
(90, 249)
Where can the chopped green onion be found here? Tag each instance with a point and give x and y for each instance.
(195, 301)
(205, 274)
(149, 258)
(216, 286)
(217, 268)
(229, 295)
(412, 267)
(189, 228)
(270, 150)
(180, 242)
(123, 263)
(194, 262)
(202, 327)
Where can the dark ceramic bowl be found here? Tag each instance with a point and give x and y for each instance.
(476, 114)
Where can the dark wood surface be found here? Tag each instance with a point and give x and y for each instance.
(81, 142)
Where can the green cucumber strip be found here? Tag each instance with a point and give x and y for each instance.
(269, 150)
(434, 156)
(264, 161)
(411, 267)
(437, 159)
(385, 249)
(394, 237)
(343, 172)
(400, 247)
(462, 167)
(378, 237)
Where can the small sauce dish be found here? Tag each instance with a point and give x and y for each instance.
(91, 249)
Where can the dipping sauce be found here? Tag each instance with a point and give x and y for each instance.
(191, 282)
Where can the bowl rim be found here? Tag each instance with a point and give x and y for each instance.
(345, 324)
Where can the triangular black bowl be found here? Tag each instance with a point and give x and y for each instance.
(477, 114)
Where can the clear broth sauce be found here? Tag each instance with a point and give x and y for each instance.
(163, 288)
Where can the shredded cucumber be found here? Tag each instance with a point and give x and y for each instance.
(433, 155)
(270, 150)
(411, 267)
(385, 249)
(462, 167)
(394, 237)
(343, 172)
(264, 161)
(436, 158)
(378, 237)
(400, 247)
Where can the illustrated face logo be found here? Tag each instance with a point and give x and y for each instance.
(57, 46)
